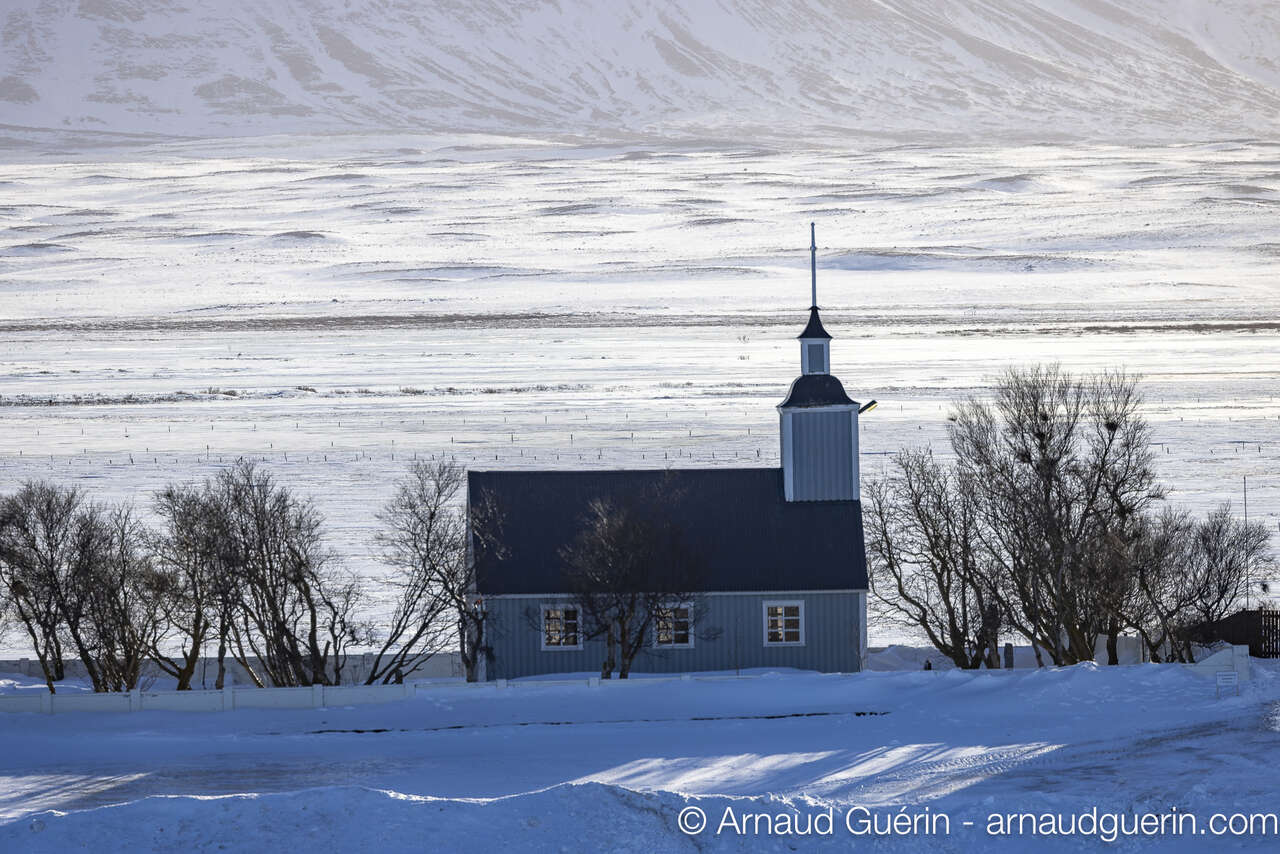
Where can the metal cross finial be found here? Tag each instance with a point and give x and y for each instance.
(813, 263)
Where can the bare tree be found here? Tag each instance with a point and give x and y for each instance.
(425, 536)
(195, 586)
(1225, 550)
(1047, 523)
(1061, 467)
(1165, 593)
(53, 538)
(296, 604)
(424, 540)
(124, 615)
(628, 566)
(77, 573)
(37, 555)
(926, 558)
(1194, 575)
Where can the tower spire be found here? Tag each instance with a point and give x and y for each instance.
(815, 343)
(813, 264)
(819, 423)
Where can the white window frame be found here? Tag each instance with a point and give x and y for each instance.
(781, 603)
(688, 606)
(542, 629)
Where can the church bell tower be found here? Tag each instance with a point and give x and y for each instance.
(818, 421)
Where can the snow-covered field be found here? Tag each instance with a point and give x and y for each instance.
(337, 306)
(553, 767)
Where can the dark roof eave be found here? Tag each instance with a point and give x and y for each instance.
(809, 390)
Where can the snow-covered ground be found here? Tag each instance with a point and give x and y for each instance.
(553, 767)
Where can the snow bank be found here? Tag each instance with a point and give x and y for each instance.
(559, 767)
(589, 817)
(898, 657)
(568, 818)
(18, 683)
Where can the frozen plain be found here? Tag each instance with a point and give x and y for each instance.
(335, 307)
(523, 304)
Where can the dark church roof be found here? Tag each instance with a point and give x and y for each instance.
(816, 390)
(735, 519)
(814, 328)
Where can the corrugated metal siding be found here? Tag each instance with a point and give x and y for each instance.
(823, 456)
(834, 632)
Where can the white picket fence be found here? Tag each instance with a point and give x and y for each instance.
(314, 697)
(226, 700)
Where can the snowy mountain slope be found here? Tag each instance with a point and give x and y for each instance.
(1098, 69)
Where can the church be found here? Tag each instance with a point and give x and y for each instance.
(782, 576)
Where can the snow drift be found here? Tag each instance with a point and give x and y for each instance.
(757, 69)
